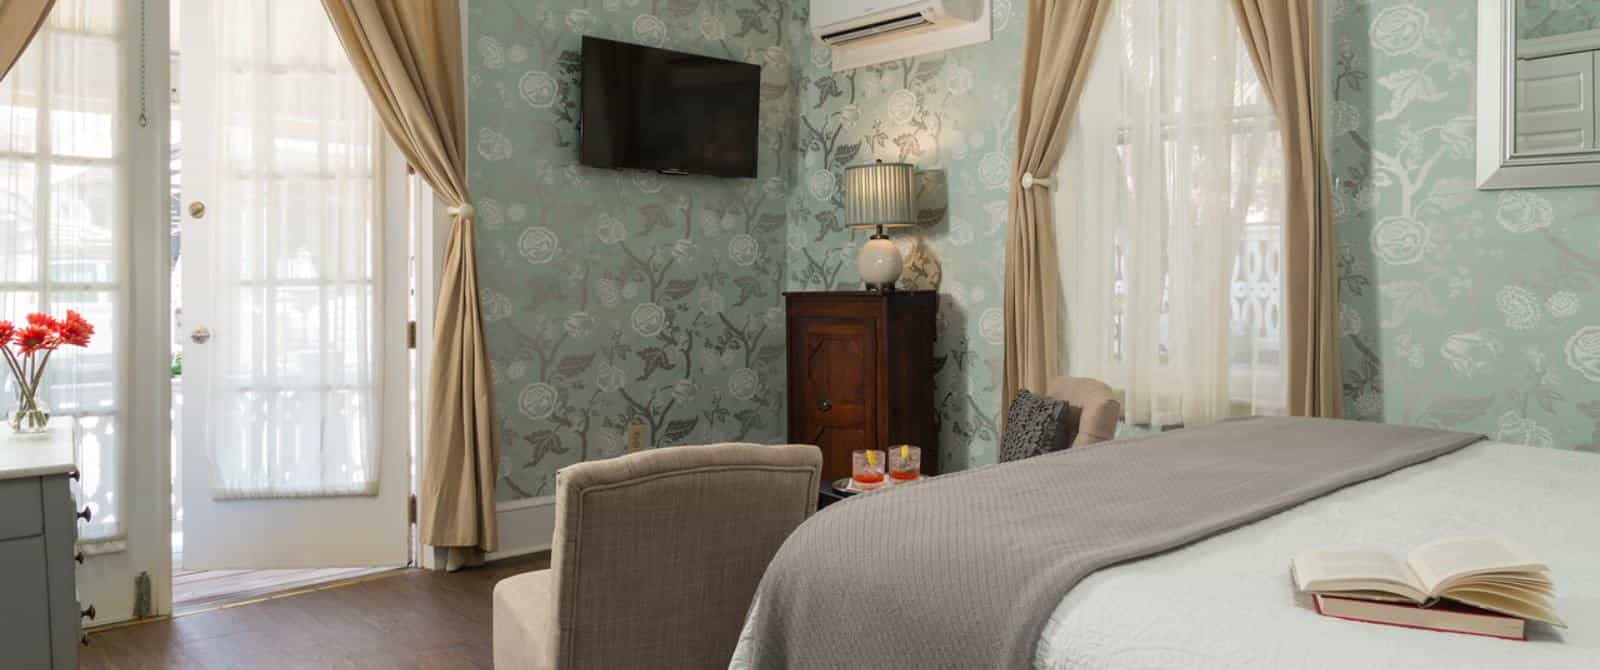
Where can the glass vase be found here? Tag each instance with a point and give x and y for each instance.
(31, 416)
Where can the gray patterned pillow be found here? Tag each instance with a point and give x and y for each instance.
(1035, 425)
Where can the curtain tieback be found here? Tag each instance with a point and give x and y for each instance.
(464, 210)
(1030, 181)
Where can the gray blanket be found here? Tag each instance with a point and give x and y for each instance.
(963, 571)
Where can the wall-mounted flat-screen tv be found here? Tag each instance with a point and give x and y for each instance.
(653, 109)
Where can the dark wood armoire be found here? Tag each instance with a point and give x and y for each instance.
(861, 373)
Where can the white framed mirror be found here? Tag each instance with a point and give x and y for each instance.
(1538, 106)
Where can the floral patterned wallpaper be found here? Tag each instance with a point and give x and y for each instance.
(1546, 18)
(953, 114)
(618, 298)
(1464, 309)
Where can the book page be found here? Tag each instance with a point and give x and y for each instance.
(1506, 603)
(1346, 570)
(1540, 585)
(1442, 561)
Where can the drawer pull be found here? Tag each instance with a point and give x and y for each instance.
(74, 475)
(84, 640)
(824, 406)
(78, 557)
(88, 613)
(86, 514)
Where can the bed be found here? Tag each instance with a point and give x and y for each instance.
(1227, 602)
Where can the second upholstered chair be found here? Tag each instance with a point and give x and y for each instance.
(1093, 409)
(1073, 412)
(655, 558)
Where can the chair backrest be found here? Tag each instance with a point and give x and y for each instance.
(1093, 407)
(657, 554)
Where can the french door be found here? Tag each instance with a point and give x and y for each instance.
(295, 442)
(82, 229)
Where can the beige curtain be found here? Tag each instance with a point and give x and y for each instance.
(1055, 62)
(409, 55)
(1283, 42)
(19, 21)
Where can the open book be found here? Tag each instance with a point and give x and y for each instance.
(1484, 572)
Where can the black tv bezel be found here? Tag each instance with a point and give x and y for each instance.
(583, 109)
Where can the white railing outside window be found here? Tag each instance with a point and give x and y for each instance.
(1169, 220)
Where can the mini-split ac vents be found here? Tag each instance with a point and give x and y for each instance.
(863, 32)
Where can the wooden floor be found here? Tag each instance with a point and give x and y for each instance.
(405, 619)
(195, 590)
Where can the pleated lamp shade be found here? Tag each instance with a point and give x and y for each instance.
(880, 194)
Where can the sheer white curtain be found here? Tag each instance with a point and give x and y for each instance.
(1169, 213)
(293, 379)
(63, 234)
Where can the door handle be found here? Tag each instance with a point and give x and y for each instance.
(824, 406)
(197, 209)
(200, 335)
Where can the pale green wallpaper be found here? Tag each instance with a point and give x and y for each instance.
(1546, 18)
(614, 298)
(953, 114)
(1465, 309)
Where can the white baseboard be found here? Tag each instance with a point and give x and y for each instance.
(525, 526)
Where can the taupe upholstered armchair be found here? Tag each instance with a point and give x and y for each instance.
(1093, 407)
(655, 558)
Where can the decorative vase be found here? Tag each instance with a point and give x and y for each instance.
(26, 350)
(879, 263)
(32, 417)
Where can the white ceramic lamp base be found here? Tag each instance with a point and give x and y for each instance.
(879, 263)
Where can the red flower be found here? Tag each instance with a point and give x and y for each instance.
(35, 338)
(6, 331)
(42, 320)
(74, 330)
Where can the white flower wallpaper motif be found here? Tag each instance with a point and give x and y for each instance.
(1464, 309)
(958, 128)
(617, 298)
(620, 298)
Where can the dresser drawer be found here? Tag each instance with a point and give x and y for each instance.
(20, 512)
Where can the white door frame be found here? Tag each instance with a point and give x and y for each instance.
(107, 580)
(430, 230)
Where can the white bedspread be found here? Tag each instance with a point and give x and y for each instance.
(1227, 602)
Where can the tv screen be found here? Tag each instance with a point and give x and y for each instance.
(653, 109)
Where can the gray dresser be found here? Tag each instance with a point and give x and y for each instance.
(40, 622)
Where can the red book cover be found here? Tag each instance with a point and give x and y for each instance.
(1446, 617)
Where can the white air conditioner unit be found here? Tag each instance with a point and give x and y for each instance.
(841, 22)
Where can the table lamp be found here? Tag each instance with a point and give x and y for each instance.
(880, 195)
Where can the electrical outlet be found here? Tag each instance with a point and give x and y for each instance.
(635, 438)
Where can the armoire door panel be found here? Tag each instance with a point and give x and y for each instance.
(836, 391)
(839, 388)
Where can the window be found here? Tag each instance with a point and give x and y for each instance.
(63, 227)
(1169, 220)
